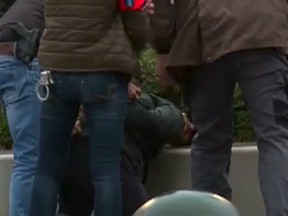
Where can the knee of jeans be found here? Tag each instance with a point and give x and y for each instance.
(25, 150)
(213, 140)
(102, 172)
(25, 163)
(213, 123)
(272, 127)
(25, 147)
(56, 171)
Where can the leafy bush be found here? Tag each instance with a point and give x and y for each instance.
(149, 81)
(5, 139)
(242, 128)
(243, 131)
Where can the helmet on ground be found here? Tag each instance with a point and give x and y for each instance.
(187, 203)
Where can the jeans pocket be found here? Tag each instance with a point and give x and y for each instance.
(280, 100)
(9, 84)
(31, 78)
(8, 63)
(33, 75)
(105, 87)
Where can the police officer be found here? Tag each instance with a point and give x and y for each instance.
(19, 73)
(212, 46)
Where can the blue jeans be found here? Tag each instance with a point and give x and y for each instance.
(17, 92)
(104, 97)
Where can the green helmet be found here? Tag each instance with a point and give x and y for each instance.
(187, 203)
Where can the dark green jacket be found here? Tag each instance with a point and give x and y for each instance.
(151, 121)
(91, 36)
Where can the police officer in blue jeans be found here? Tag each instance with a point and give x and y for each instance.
(18, 77)
(89, 48)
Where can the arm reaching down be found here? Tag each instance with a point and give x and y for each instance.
(163, 25)
(136, 25)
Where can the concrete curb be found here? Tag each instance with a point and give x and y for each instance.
(171, 171)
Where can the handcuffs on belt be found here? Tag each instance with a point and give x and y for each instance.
(45, 80)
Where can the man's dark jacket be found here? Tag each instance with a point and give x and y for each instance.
(29, 12)
(197, 32)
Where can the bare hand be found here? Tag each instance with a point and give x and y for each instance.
(77, 130)
(149, 7)
(134, 91)
(188, 131)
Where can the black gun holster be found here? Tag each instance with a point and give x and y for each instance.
(25, 49)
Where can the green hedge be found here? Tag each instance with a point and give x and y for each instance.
(243, 131)
(5, 139)
(242, 128)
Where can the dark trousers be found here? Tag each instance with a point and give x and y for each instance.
(263, 78)
(76, 192)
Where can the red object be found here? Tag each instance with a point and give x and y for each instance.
(132, 5)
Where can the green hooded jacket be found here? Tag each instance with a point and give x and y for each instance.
(151, 121)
